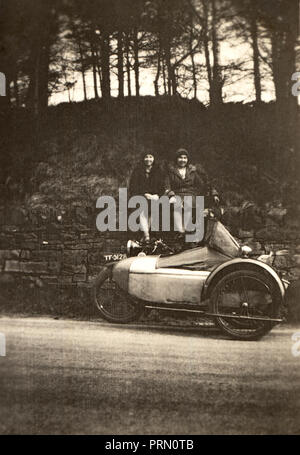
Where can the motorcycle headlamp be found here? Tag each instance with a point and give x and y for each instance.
(246, 250)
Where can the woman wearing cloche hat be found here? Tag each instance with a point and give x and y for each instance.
(185, 179)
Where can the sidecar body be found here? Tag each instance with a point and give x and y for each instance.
(175, 279)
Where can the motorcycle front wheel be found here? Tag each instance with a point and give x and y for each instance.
(114, 304)
(241, 295)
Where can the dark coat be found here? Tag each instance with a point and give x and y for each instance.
(195, 183)
(141, 182)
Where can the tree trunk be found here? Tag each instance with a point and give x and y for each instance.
(167, 49)
(164, 77)
(38, 87)
(206, 51)
(276, 63)
(173, 80)
(128, 64)
(136, 62)
(284, 37)
(98, 64)
(158, 68)
(82, 69)
(120, 65)
(256, 70)
(37, 97)
(216, 72)
(105, 53)
(193, 61)
(94, 71)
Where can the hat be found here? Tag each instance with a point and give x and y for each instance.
(143, 154)
(180, 152)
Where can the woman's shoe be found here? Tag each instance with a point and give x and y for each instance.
(180, 236)
(145, 239)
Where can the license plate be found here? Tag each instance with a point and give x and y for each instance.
(114, 257)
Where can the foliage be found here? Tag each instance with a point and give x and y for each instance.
(85, 150)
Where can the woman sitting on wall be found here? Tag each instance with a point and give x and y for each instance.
(146, 180)
(185, 179)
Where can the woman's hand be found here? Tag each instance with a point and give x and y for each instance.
(149, 196)
(172, 200)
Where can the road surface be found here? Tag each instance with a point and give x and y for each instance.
(70, 377)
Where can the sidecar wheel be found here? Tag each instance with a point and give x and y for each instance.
(114, 304)
(245, 293)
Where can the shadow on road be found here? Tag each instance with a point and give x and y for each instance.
(210, 332)
(205, 332)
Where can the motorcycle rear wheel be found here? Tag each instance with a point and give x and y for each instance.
(248, 293)
(114, 304)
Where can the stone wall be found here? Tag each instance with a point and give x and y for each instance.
(45, 257)
(49, 260)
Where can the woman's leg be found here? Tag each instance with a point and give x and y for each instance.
(178, 221)
(144, 222)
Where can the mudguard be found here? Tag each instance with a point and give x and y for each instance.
(121, 270)
(239, 264)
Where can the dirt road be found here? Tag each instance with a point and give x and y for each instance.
(69, 377)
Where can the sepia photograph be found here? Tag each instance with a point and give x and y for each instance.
(149, 220)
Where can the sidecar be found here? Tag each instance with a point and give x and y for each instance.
(244, 296)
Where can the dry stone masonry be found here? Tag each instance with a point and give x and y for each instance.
(50, 259)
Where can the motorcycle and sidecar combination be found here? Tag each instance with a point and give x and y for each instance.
(243, 296)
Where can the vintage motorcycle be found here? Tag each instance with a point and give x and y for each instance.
(220, 280)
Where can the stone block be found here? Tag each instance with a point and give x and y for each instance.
(81, 214)
(271, 233)
(46, 246)
(9, 228)
(77, 245)
(31, 237)
(54, 267)
(28, 245)
(7, 241)
(79, 277)
(16, 216)
(34, 267)
(50, 279)
(74, 257)
(66, 236)
(25, 254)
(6, 279)
(9, 254)
(94, 270)
(86, 236)
(99, 245)
(96, 257)
(282, 261)
(296, 259)
(294, 273)
(12, 266)
(65, 280)
(71, 269)
(46, 255)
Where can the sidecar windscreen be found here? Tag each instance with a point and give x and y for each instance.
(220, 239)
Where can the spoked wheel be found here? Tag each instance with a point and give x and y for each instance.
(114, 304)
(242, 295)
